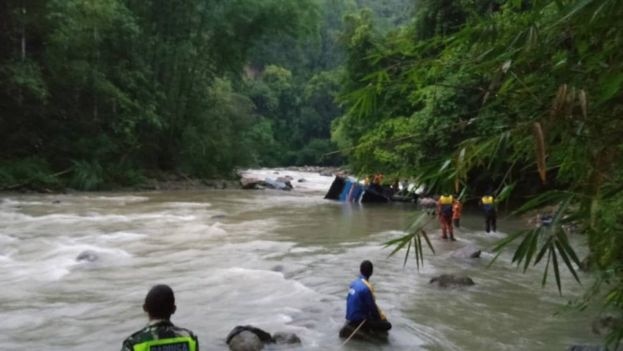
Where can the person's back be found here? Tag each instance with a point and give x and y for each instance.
(160, 334)
(362, 311)
(360, 303)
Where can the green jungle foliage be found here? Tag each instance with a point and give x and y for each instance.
(522, 97)
(95, 94)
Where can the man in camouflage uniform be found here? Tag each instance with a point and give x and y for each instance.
(160, 334)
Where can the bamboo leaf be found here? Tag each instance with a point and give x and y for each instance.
(521, 251)
(556, 270)
(401, 243)
(417, 254)
(566, 260)
(543, 250)
(494, 259)
(509, 239)
(505, 192)
(445, 165)
(404, 264)
(549, 258)
(398, 240)
(420, 248)
(540, 151)
(531, 249)
(425, 235)
(564, 241)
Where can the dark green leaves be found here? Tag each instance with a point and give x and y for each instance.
(416, 236)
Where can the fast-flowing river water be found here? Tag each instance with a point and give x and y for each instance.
(281, 261)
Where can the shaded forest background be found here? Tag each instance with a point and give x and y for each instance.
(97, 94)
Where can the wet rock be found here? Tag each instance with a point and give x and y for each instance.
(278, 268)
(219, 216)
(302, 180)
(245, 341)
(56, 202)
(247, 338)
(87, 256)
(251, 183)
(286, 338)
(285, 180)
(469, 251)
(451, 280)
(276, 184)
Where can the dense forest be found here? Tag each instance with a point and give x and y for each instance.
(520, 97)
(97, 94)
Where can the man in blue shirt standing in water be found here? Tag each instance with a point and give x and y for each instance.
(362, 311)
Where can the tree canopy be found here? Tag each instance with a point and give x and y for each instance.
(523, 97)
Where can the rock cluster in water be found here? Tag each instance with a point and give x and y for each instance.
(280, 183)
(250, 338)
(87, 256)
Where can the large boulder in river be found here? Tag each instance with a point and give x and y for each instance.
(250, 338)
(279, 184)
(451, 280)
(87, 256)
(251, 183)
(469, 251)
(245, 341)
(247, 338)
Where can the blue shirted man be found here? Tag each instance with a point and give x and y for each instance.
(361, 308)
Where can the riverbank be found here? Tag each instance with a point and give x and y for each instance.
(164, 181)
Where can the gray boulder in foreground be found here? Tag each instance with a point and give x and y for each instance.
(245, 341)
(87, 256)
(469, 251)
(451, 280)
(250, 338)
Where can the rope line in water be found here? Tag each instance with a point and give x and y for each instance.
(354, 332)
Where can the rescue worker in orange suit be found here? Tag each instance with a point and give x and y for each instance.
(457, 211)
(444, 211)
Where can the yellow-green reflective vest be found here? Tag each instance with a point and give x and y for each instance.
(182, 343)
(446, 200)
(487, 200)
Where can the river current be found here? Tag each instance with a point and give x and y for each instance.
(281, 261)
